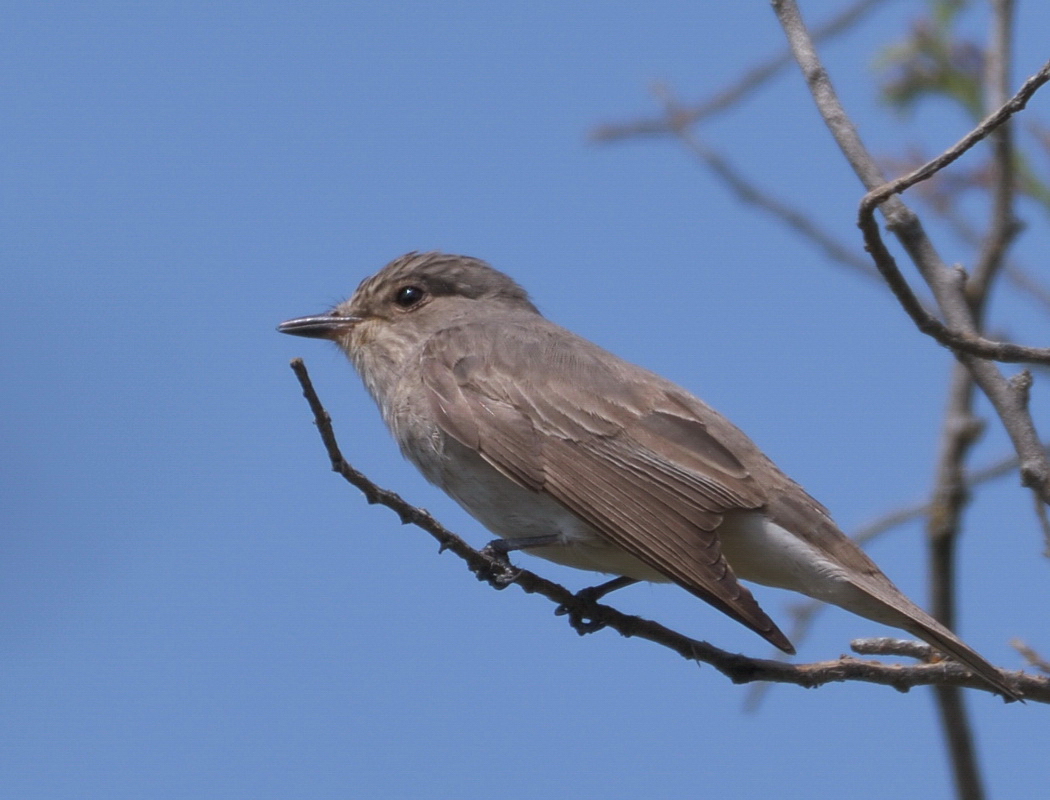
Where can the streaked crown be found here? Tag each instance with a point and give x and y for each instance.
(442, 274)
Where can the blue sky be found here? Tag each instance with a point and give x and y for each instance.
(194, 606)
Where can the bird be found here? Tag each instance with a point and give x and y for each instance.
(567, 452)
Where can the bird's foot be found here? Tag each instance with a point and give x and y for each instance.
(583, 620)
(496, 568)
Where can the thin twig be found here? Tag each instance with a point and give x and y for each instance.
(891, 646)
(735, 91)
(804, 613)
(1004, 225)
(1031, 656)
(738, 668)
(904, 223)
(1016, 275)
(748, 192)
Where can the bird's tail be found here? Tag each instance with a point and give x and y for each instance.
(916, 621)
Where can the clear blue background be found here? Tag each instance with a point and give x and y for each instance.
(194, 606)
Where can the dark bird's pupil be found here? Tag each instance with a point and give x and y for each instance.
(408, 296)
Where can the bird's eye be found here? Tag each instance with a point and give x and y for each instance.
(408, 296)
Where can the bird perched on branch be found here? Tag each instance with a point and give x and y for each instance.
(569, 453)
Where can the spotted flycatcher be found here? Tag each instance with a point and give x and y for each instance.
(572, 454)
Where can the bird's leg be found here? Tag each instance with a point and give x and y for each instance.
(497, 550)
(592, 594)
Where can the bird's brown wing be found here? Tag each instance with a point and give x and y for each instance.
(619, 447)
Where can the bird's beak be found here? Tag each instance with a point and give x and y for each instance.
(325, 326)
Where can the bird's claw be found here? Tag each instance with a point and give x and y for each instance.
(496, 569)
(582, 622)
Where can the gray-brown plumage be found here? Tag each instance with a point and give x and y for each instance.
(570, 453)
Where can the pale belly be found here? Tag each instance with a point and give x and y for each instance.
(513, 512)
(756, 549)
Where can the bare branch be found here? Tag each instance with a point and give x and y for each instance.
(1016, 275)
(1031, 656)
(961, 428)
(804, 613)
(880, 193)
(960, 332)
(816, 77)
(907, 227)
(738, 668)
(1004, 226)
(959, 432)
(891, 646)
(958, 734)
(748, 192)
(734, 92)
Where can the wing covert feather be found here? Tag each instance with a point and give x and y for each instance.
(613, 443)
